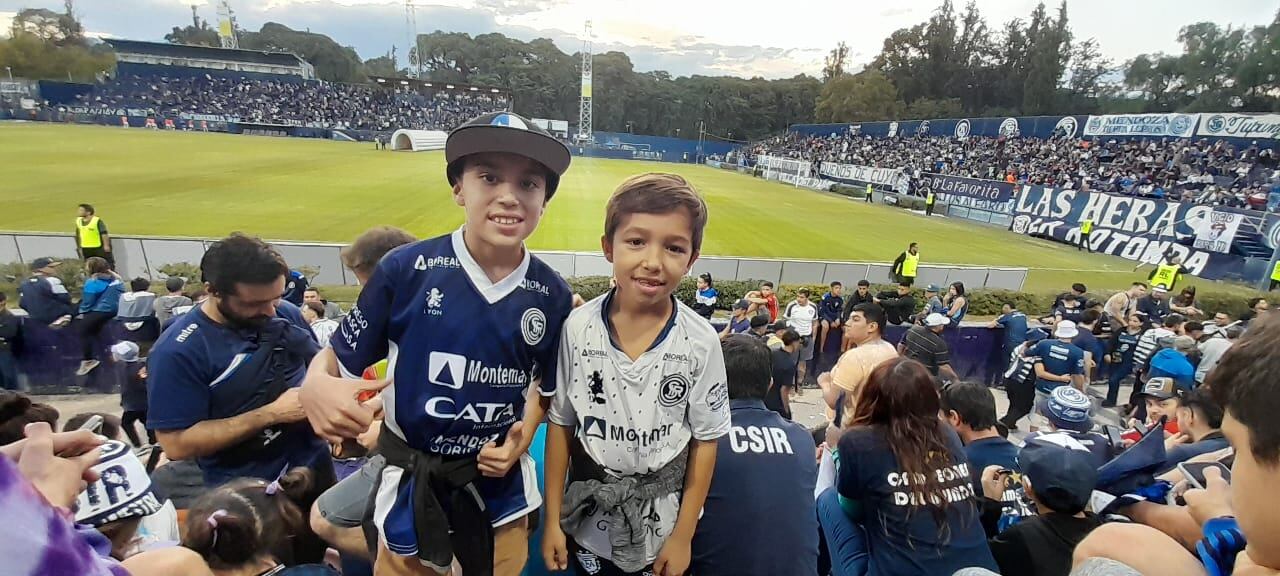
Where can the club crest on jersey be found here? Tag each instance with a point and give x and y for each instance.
(533, 326)
(435, 301)
(675, 388)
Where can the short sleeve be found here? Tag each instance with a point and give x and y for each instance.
(550, 358)
(1003, 321)
(942, 356)
(102, 226)
(177, 391)
(1077, 364)
(561, 412)
(708, 412)
(361, 338)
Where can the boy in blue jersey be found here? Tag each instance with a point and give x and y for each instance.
(642, 381)
(469, 323)
(829, 313)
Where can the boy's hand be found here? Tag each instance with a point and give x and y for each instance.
(495, 461)
(1213, 501)
(332, 408)
(673, 560)
(555, 550)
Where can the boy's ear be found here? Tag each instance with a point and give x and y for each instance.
(692, 259)
(607, 247)
(457, 193)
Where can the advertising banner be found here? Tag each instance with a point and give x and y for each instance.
(1265, 126)
(1173, 125)
(891, 177)
(794, 180)
(1218, 231)
(1138, 229)
(989, 190)
(790, 165)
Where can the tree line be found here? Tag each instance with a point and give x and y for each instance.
(953, 64)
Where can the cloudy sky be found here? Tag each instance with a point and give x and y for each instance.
(743, 37)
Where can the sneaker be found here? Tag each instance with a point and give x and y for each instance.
(86, 367)
(1108, 404)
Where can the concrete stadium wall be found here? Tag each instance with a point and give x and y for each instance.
(144, 255)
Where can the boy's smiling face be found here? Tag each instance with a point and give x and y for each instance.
(503, 196)
(650, 254)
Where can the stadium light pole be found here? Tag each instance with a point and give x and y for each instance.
(9, 71)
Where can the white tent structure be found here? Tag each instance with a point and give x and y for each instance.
(418, 140)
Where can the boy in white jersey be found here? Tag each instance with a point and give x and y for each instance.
(641, 379)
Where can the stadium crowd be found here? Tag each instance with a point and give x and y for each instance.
(1200, 171)
(309, 103)
(668, 448)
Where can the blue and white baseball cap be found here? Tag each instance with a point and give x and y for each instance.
(511, 133)
(1068, 409)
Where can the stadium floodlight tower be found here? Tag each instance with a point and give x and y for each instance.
(227, 25)
(585, 133)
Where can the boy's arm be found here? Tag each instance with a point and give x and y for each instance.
(674, 558)
(754, 297)
(556, 465)
(496, 461)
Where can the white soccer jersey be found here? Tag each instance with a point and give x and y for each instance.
(800, 317)
(634, 417)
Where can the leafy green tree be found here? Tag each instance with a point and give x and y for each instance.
(868, 95)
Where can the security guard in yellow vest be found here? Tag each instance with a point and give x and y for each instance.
(928, 204)
(1275, 277)
(1086, 227)
(1167, 273)
(91, 236)
(869, 190)
(905, 266)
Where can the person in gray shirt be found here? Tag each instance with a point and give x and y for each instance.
(164, 305)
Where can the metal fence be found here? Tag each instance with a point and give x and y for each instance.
(144, 255)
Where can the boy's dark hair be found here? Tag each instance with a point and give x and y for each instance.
(1012, 305)
(973, 403)
(368, 248)
(1090, 316)
(174, 284)
(1193, 326)
(316, 307)
(911, 244)
(238, 522)
(311, 289)
(110, 423)
(17, 410)
(97, 265)
(240, 259)
(656, 193)
(1173, 320)
(1078, 287)
(836, 283)
(1068, 297)
(1142, 284)
(747, 366)
(1201, 402)
(766, 283)
(1254, 302)
(803, 292)
(788, 336)
(88, 208)
(139, 285)
(864, 283)
(872, 312)
(758, 321)
(1244, 383)
(905, 284)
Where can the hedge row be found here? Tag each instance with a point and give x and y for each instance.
(982, 301)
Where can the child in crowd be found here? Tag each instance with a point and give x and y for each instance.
(642, 381)
(705, 301)
(133, 393)
(247, 526)
(740, 321)
(829, 310)
(99, 303)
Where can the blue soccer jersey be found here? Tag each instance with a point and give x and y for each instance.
(462, 352)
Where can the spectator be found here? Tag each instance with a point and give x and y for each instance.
(739, 321)
(137, 312)
(295, 287)
(1171, 361)
(99, 303)
(800, 315)
(1199, 429)
(133, 393)
(971, 411)
(10, 344)
(1212, 349)
(251, 526)
(363, 255)
(932, 304)
(1160, 398)
(769, 458)
(1078, 290)
(121, 501)
(1221, 321)
(956, 304)
(906, 265)
(899, 306)
(829, 314)
(1058, 476)
(1089, 343)
(1020, 381)
(1069, 411)
(323, 328)
(91, 236)
(331, 310)
(1155, 306)
(704, 302)
(1149, 343)
(785, 379)
(759, 327)
(865, 330)
(763, 301)
(1124, 345)
(1193, 330)
(165, 305)
(1185, 302)
(1014, 324)
(1059, 362)
(928, 527)
(925, 344)
(1121, 304)
(43, 295)
(17, 411)
(1070, 310)
(1257, 308)
(862, 295)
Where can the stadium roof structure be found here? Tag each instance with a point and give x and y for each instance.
(164, 49)
(392, 80)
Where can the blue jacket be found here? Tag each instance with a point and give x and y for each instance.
(101, 295)
(45, 299)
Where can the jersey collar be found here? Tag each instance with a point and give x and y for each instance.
(491, 291)
(608, 324)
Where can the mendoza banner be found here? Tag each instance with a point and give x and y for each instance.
(891, 177)
(1138, 229)
(789, 165)
(1173, 125)
(989, 195)
(1218, 231)
(1241, 126)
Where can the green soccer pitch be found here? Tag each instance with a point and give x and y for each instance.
(145, 182)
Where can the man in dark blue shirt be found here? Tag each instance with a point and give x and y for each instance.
(971, 410)
(1014, 324)
(42, 295)
(760, 517)
(1088, 343)
(222, 381)
(1060, 362)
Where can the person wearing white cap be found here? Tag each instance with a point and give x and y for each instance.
(925, 345)
(133, 393)
(1058, 362)
(1155, 306)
